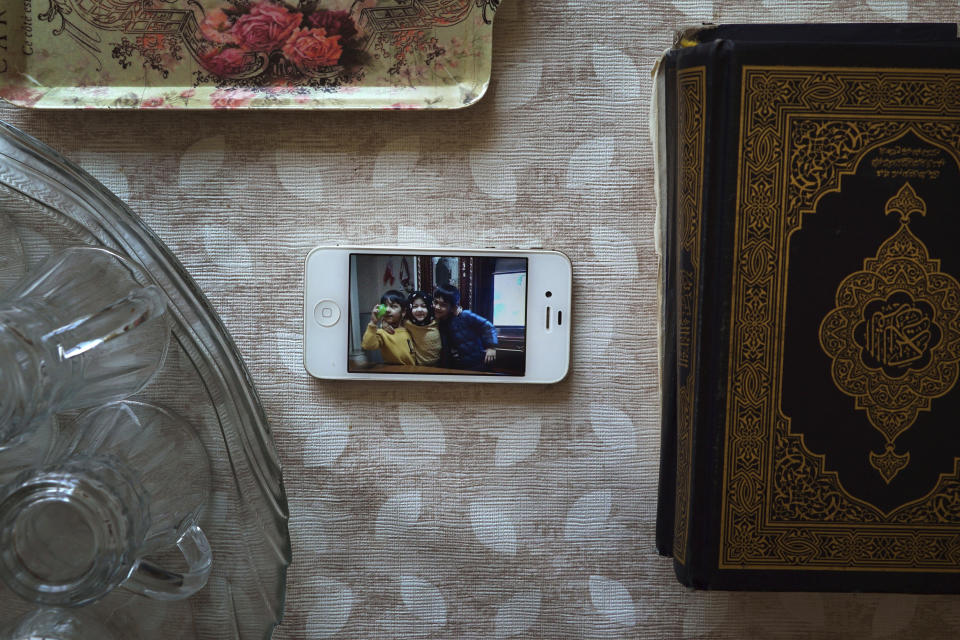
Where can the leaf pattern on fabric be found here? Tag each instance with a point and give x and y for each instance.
(517, 442)
(612, 600)
(493, 527)
(423, 600)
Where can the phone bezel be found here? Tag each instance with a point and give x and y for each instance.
(327, 277)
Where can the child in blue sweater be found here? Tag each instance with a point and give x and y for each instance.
(469, 340)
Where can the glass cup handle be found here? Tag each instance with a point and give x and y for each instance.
(125, 314)
(156, 582)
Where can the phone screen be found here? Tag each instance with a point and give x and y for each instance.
(442, 314)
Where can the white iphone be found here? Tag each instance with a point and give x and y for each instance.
(437, 314)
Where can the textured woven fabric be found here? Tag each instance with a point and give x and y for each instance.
(448, 511)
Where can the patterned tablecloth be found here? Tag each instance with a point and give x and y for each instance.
(432, 511)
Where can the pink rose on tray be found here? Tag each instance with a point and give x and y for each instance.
(312, 48)
(23, 96)
(216, 27)
(265, 28)
(335, 23)
(231, 98)
(224, 62)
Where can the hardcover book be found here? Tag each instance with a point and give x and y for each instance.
(809, 223)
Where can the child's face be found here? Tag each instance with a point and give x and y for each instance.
(441, 309)
(418, 309)
(394, 314)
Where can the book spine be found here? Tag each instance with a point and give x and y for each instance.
(664, 133)
(691, 107)
(699, 117)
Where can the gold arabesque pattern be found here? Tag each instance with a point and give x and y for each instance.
(691, 107)
(893, 337)
(801, 129)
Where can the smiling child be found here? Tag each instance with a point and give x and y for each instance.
(423, 329)
(469, 340)
(394, 343)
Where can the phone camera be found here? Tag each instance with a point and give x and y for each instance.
(549, 293)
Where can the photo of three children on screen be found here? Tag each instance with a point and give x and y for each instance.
(437, 314)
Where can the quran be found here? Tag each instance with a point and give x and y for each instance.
(809, 196)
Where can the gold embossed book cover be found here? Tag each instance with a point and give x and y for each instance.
(810, 220)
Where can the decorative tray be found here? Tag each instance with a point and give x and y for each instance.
(228, 54)
(46, 204)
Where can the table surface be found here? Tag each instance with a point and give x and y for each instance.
(445, 511)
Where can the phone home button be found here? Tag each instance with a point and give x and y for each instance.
(326, 313)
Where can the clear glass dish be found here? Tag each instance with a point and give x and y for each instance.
(47, 203)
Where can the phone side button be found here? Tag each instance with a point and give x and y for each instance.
(326, 313)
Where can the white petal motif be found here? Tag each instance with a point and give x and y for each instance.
(408, 236)
(233, 254)
(326, 441)
(422, 428)
(614, 248)
(493, 175)
(316, 175)
(791, 11)
(898, 10)
(290, 351)
(399, 512)
(590, 161)
(493, 527)
(702, 616)
(200, 164)
(517, 614)
(596, 330)
(423, 600)
(614, 428)
(612, 600)
(587, 517)
(330, 605)
(700, 9)
(518, 84)
(106, 170)
(618, 73)
(517, 442)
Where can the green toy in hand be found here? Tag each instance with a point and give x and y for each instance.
(381, 310)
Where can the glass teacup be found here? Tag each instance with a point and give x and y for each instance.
(77, 332)
(130, 484)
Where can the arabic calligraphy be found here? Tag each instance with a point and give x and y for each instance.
(892, 338)
(897, 334)
(901, 161)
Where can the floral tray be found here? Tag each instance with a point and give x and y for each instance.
(227, 54)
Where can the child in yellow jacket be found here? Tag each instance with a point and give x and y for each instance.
(423, 329)
(394, 343)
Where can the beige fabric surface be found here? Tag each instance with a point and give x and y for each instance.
(433, 511)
